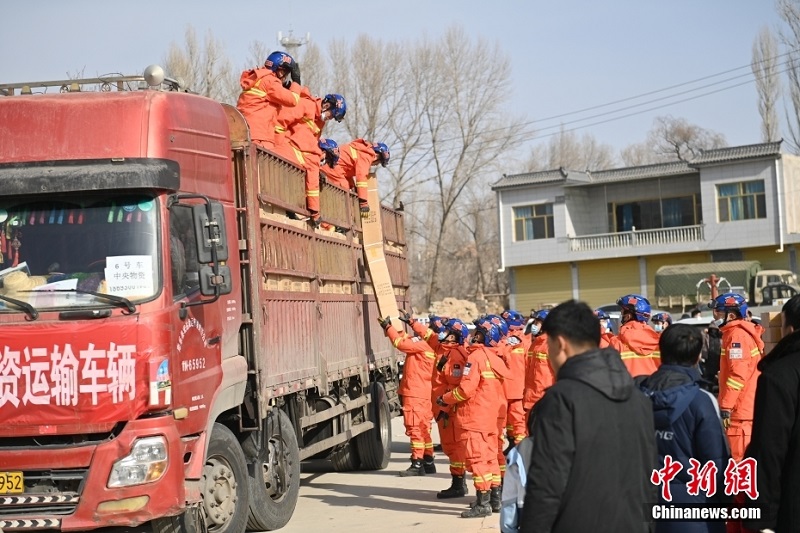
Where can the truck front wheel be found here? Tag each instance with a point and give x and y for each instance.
(375, 446)
(275, 473)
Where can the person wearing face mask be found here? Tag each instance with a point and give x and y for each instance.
(606, 328)
(593, 444)
(434, 333)
(264, 94)
(517, 354)
(450, 364)
(661, 321)
(637, 343)
(357, 159)
(415, 388)
(475, 401)
(539, 375)
(304, 124)
(742, 349)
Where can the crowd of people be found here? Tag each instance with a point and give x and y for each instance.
(612, 421)
(286, 119)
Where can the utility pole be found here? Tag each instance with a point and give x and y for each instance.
(292, 44)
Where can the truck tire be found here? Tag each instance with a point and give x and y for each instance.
(346, 458)
(191, 521)
(275, 476)
(375, 446)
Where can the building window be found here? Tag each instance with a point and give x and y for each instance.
(654, 214)
(741, 201)
(533, 222)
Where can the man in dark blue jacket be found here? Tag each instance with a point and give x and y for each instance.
(687, 422)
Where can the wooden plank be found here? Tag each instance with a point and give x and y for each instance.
(375, 258)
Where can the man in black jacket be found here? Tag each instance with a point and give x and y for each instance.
(594, 447)
(775, 443)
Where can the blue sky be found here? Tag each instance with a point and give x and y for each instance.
(566, 55)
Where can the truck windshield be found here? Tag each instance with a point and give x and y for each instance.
(55, 253)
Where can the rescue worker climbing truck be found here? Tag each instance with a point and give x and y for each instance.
(172, 344)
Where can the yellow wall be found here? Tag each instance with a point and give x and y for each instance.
(542, 284)
(769, 259)
(603, 281)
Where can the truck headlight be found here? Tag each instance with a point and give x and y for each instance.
(146, 463)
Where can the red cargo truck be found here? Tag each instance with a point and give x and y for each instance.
(173, 341)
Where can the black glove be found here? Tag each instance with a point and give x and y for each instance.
(726, 419)
(442, 416)
(405, 317)
(295, 72)
(385, 322)
(364, 208)
(441, 363)
(440, 402)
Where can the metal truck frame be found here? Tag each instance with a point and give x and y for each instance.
(249, 342)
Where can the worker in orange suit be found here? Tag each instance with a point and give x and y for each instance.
(742, 349)
(637, 342)
(433, 333)
(475, 401)
(518, 344)
(447, 375)
(303, 132)
(356, 159)
(415, 389)
(607, 337)
(539, 375)
(263, 94)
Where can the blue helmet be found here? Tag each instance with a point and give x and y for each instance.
(437, 324)
(338, 107)
(278, 60)
(730, 302)
(662, 317)
(382, 151)
(500, 323)
(331, 151)
(638, 305)
(540, 315)
(514, 319)
(456, 327)
(491, 333)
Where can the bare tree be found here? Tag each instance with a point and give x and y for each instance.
(569, 151)
(638, 154)
(204, 68)
(675, 139)
(765, 69)
(789, 11)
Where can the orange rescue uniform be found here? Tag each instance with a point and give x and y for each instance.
(742, 349)
(637, 343)
(447, 375)
(262, 96)
(539, 375)
(415, 388)
(352, 170)
(516, 429)
(477, 401)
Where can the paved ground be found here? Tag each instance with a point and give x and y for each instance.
(334, 502)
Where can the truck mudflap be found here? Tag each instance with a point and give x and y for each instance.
(78, 498)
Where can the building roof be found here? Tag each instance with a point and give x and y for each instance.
(708, 157)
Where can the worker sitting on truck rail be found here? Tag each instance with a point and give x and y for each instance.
(637, 343)
(303, 131)
(263, 94)
(415, 388)
(356, 159)
(661, 321)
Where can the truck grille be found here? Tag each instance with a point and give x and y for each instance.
(48, 492)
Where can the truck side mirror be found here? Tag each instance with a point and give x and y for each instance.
(209, 226)
(210, 282)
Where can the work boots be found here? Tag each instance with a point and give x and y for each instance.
(495, 501)
(416, 469)
(430, 466)
(481, 508)
(457, 489)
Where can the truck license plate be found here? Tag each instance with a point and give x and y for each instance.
(11, 483)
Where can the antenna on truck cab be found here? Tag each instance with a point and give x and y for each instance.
(153, 78)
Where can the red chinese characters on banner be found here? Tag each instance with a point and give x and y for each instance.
(739, 477)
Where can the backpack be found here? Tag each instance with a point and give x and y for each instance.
(513, 495)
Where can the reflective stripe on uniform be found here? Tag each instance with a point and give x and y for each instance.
(735, 385)
(280, 129)
(312, 192)
(428, 334)
(397, 341)
(312, 125)
(754, 352)
(489, 375)
(417, 445)
(353, 153)
(361, 183)
(430, 355)
(632, 355)
(457, 395)
(541, 355)
(299, 155)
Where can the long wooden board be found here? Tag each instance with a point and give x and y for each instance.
(375, 258)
